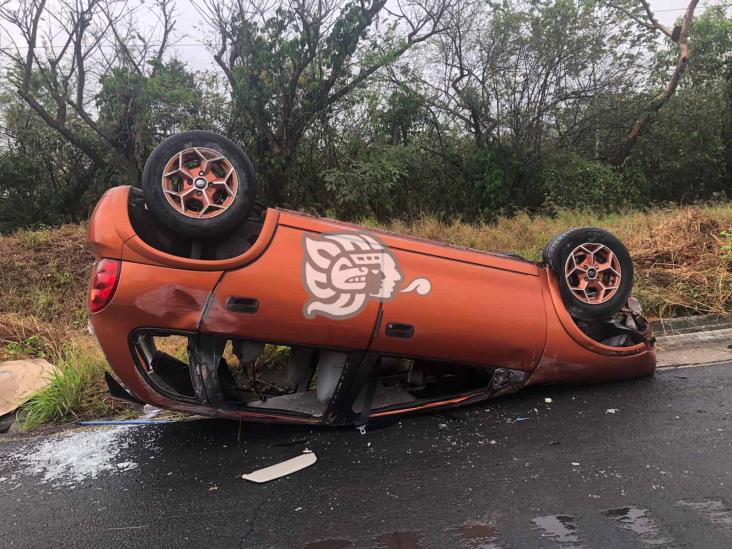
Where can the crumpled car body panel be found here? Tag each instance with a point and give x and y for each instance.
(312, 283)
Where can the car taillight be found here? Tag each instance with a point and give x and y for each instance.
(106, 276)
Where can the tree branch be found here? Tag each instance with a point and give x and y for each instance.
(662, 98)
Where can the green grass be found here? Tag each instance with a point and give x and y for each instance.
(274, 356)
(34, 238)
(727, 245)
(34, 346)
(75, 390)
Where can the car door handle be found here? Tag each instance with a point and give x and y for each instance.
(245, 305)
(403, 331)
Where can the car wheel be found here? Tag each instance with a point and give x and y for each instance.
(594, 269)
(199, 184)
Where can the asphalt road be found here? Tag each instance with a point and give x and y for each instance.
(657, 471)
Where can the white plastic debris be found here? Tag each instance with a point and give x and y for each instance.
(548, 400)
(126, 465)
(612, 411)
(150, 411)
(306, 459)
(575, 464)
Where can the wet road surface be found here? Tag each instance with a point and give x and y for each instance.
(631, 464)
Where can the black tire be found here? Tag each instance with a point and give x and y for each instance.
(204, 228)
(556, 254)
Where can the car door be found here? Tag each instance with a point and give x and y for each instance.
(266, 300)
(480, 308)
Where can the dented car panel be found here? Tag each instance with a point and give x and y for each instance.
(274, 282)
(366, 323)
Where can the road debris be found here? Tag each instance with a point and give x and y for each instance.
(273, 472)
(612, 411)
(548, 400)
(19, 379)
(70, 458)
(290, 443)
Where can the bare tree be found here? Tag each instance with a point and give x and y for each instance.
(54, 48)
(678, 35)
(288, 63)
(509, 75)
(462, 74)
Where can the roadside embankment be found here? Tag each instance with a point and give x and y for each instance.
(682, 256)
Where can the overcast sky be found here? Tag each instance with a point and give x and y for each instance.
(192, 50)
(191, 43)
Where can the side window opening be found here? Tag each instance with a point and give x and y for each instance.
(266, 376)
(164, 360)
(402, 381)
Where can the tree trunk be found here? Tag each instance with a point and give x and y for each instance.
(276, 183)
(681, 37)
(282, 157)
(727, 136)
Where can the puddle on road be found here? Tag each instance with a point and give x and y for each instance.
(329, 544)
(399, 540)
(476, 535)
(715, 511)
(560, 528)
(640, 522)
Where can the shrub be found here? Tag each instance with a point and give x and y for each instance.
(578, 183)
(365, 187)
(487, 190)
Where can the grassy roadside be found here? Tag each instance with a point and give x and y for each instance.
(682, 256)
(76, 389)
(683, 259)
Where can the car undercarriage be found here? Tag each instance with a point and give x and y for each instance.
(205, 302)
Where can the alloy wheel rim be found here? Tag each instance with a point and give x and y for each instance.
(592, 272)
(200, 183)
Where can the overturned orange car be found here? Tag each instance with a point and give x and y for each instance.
(280, 316)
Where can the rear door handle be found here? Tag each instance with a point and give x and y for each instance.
(403, 331)
(246, 305)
